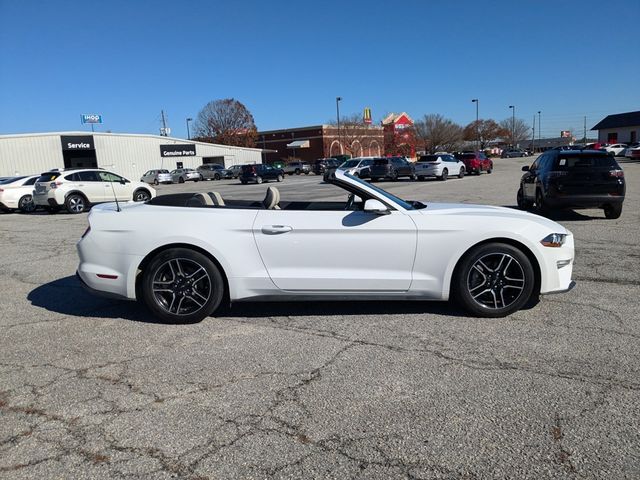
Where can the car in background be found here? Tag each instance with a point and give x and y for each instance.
(321, 165)
(181, 175)
(260, 173)
(513, 153)
(391, 168)
(235, 170)
(77, 189)
(633, 151)
(297, 168)
(358, 167)
(617, 149)
(213, 171)
(156, 177)
(439, 166)
(475, 162)
(573, 179)
(16, 193)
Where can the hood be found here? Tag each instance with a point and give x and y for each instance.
(463, 209)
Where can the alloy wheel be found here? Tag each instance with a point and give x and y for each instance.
(496, 281)
(141, 196)
(75, 204)
(181, 286)
(26, 204)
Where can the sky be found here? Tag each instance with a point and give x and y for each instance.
(287, 61)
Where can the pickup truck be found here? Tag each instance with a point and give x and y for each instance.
(297, 168)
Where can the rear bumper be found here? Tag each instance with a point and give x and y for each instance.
(583, 201)
(100, 293)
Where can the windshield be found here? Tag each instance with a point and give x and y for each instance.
(407, 205)
(350, 164)
(10, 180)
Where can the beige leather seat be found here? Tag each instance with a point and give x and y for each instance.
(217, 199)
(272, 199)
(209, 199)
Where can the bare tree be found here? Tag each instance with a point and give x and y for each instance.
(515, 132)
(355, 135)
(438, 133)
(485, 130)
(227, 122)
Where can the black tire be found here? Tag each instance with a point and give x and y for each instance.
(523, 203)
(444, 176)
(541, 207)
(374, 179)
(393, 177)
(180, 180)
(421, 178)
(216, 176)
(461, 173)
(26, 205)
(306, 173)
(258, 180)
(613, 211)
(141, 195)
(156, 182)
(76, 203)
(184, 276)
(297, 171)
(493, 280)
(490, 169)
(244, 182)
(279, 178)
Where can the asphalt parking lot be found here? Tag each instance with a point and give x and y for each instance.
(94, 388)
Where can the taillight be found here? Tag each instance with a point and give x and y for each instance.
(616, 173)
(55, 184)
(557, 174)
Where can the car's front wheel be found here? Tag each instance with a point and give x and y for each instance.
(76, 203)
(258, 180)
(155, 181)
(461, 173)
(523, 203)
(494, 280)
(182, 286)
(279, 178)
(180, 180)
(141, 196)
(26, 205)
(216, 176)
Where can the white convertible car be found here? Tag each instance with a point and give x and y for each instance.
(185, 254)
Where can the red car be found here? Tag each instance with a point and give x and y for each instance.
(475, 162)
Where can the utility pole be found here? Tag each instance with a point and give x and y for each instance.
(539, 129)
(338, 118)
(163, 130)
(533, 137)
(513, 125)
(477, 102)
(584, 136)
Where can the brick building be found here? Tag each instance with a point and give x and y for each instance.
(321, 141)
(399, 136)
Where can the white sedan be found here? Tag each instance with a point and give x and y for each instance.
(617, 149)
(492, 260)
(16, 193)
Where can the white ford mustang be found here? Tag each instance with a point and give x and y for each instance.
(184, 254)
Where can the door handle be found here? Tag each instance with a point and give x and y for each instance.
(276, 229)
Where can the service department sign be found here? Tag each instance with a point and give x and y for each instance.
(178, 150)
(77, 142)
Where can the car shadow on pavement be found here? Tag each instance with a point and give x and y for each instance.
(564, 215)
(67, 296)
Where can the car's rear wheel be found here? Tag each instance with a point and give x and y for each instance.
(613, 211)
(494, 280)
(244, 182)
(420, 178)
(141, 196)
(216, 176)
(461, 173)
(182, 286)
(156, 182)
(445, 175)
(490, 169)
(297, 172)
(258, 180)
(541, 207)
(374, 179)
(76, 203)
(279, 178)
(523, 203)
(393, 176)
(26, 205)
(180, 180)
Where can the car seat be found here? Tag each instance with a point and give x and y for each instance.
(272, 199)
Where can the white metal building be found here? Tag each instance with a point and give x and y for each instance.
(130, 155)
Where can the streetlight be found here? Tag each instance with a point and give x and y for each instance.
(539, 131)
(188, 133)
(338, 118)
(513, 125)
(477, 102)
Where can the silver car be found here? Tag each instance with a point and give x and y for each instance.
(213, 171)
(181, 175)
(156, 177)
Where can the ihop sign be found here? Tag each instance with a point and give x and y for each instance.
(91, 118)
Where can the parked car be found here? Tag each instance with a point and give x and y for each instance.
(16, 193)
(78, 189)
(633, 151)
(297, 168)
(490, 260)
(617, 149)
(439, 166)
(475, 162)
(513, 153)
(322, 164)
(260, 173)
(235, 170)
(358, 167)
(573, 179)
(181, 175)
(156, 177)
(213, 171)
(391, 168)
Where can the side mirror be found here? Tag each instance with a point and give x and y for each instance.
(123, 181)
(525, 168)
(376, 206)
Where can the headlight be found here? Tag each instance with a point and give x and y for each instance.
(554, 240)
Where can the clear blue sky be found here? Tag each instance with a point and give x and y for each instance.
(288, 60)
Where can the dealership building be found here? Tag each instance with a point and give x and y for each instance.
(129, 155)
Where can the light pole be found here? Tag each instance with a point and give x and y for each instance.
(539, 131)
(188, 133)
(477, 102)
(513, 125)
(338, 119)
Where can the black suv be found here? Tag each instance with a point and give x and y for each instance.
(259, 173)
(391, 168)
(322, 165)
(573, 179)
